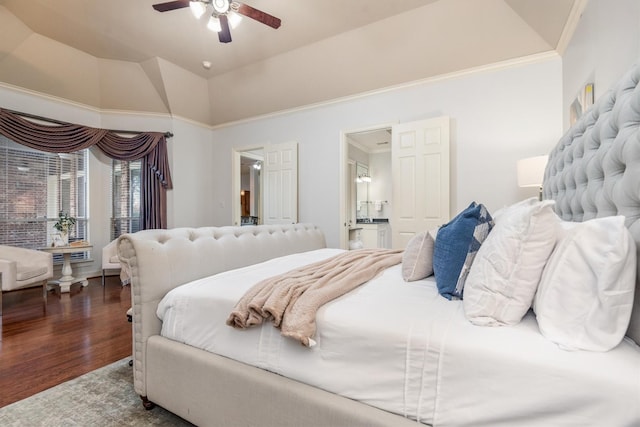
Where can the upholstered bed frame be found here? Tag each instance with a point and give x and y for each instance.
(594, 171)
(205, 388)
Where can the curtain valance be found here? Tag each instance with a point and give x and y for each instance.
(151, 147)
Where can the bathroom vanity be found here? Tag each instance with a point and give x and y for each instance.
(373, 233)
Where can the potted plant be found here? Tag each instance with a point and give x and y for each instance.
(64, 225)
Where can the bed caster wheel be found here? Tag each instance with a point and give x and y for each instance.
(147, 404)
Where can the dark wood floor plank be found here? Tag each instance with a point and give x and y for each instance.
(42, 346)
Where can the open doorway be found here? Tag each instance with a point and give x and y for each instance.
(248, 186)
(366, 187)
(265, 184)
(251, 188)
(410, 195)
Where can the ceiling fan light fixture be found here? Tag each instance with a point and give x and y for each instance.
(234, 19)
(214, 24)
(198, 8)
(221, 6)
(223, 14)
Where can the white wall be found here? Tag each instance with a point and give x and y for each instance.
(498, 116)
(605, 44)
(190, 203)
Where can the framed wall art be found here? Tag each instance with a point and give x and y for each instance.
(582, 102)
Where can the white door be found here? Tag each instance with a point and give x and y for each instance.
(281, 183)
(420, 168)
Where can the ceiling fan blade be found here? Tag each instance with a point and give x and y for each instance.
(171, 5)
(225, 34)
(258, 15)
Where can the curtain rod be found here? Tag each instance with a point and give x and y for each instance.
(58, 122)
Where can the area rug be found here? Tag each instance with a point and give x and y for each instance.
(104, 397)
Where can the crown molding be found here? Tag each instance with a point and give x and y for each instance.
(496, 66)
(570, 26)
(529, 59)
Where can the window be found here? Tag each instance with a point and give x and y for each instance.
(34, 187)
(125, 197)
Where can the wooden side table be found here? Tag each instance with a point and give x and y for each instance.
(67, 279)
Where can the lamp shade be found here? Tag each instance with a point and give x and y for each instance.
(531, 171)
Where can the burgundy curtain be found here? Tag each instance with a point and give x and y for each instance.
(151, 147)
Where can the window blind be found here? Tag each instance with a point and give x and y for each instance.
(34, 187)
(125, 197)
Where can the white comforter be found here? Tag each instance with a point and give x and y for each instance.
(403, 348)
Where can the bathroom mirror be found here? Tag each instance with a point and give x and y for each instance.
(362, 190)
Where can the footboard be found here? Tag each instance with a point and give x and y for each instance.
(160, 260)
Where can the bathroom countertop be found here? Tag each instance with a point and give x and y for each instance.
(372, 220)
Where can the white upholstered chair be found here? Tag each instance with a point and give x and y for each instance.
(24, 268)
(110, 259)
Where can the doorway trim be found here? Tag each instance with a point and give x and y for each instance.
(344, 175)
(236, 153)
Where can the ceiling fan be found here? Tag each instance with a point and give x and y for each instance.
(223, 14)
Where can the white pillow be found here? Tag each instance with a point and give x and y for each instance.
(585, 296)
(417, 259)
(526, 202)
(507, 269)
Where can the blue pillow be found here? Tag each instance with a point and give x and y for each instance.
(456, 246)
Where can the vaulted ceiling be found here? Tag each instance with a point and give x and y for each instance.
(122, 55)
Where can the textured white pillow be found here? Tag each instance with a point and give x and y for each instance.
(507, 269)
(526, 202)
(585, 296)
(417, 259)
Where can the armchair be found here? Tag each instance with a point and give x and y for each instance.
(24, 268)
(110, 261)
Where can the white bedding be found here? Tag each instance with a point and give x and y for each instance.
(402, 347)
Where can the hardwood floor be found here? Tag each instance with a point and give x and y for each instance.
(74, 334)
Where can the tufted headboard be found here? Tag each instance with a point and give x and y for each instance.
(594, 170)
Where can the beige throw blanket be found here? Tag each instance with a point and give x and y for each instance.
(291, 300)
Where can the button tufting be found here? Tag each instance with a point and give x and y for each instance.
(588, 173)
